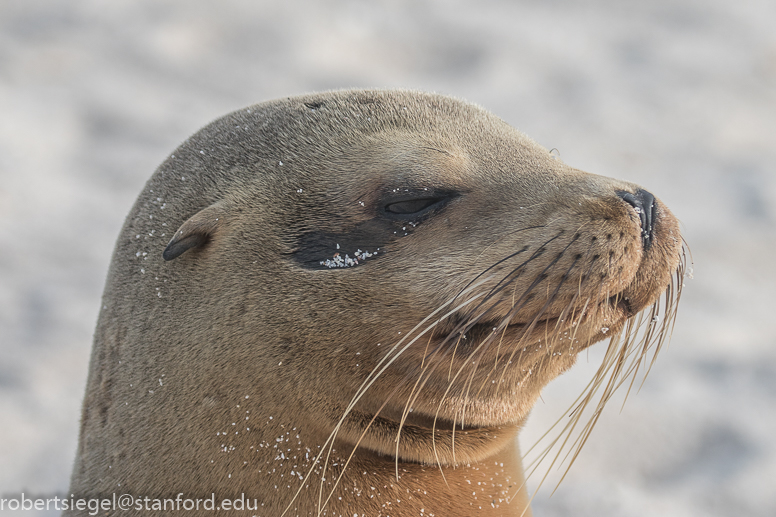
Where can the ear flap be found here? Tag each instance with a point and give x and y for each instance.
(196, 231)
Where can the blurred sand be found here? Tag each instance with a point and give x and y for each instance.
(679, 96)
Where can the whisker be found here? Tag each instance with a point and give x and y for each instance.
(395, 351)
(628, 349)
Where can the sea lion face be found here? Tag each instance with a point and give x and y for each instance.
(431, 265)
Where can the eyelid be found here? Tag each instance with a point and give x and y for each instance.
(412, 206)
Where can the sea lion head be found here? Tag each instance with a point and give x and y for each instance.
(393, 272)
(416, 236)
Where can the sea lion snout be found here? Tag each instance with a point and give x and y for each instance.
(645, 205)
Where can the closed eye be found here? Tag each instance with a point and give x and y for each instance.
(412, 206)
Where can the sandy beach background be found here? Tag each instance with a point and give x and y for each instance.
(678, 96)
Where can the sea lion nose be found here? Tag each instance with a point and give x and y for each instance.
(646, 207)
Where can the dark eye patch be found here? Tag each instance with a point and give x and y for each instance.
(363, 243)
(396, 215)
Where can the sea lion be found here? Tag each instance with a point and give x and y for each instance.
(347, 304)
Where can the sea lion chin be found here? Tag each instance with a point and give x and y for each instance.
(347, 303)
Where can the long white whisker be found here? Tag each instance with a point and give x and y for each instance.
(388, 359)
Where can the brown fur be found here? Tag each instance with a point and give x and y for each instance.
(242, 365)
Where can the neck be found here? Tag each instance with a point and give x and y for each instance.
(267, 465)
(372, 484)
(491, 487)
(147, 444)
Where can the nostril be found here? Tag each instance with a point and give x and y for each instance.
(646, 207)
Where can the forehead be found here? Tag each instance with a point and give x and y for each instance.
(410, 159)
(341, 142)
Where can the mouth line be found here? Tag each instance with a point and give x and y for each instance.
(473, 337)
(493, 325)
(618, 303)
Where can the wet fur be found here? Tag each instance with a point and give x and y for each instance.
(241, 345)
